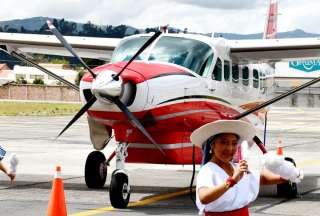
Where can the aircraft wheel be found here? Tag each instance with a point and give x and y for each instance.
(289, 189)
(95, 170)
(119, 190)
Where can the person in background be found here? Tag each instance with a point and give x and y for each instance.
(223, 187)
(3, 168)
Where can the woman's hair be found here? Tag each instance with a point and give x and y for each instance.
(206, 147)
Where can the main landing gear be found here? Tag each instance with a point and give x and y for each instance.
(96, 174)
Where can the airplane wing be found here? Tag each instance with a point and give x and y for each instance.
(86, 47)
(273, 50)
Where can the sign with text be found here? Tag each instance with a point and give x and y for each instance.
(306, 65)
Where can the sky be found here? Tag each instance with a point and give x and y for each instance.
(205, 16)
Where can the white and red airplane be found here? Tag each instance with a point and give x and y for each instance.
(159, 88)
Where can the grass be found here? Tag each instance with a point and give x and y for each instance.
(37, 109)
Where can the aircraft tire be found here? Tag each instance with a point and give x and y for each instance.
(119, 191)
(289, 189)
(95, 170)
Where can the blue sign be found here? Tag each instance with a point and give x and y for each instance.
(306, 65)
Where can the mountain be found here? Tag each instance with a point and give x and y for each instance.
(298, 33)
(31, 24)
(37, 25)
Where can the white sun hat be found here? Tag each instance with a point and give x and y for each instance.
(244, 130)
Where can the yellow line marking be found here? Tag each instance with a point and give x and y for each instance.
(146, 201)
(161, 197)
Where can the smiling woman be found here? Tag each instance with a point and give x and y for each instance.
(225, 188)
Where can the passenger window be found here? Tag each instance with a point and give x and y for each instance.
(255, 78)
(245, 76)
(235, 73)
(217, 71)
(226, 72)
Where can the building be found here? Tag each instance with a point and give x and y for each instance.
(30, 73)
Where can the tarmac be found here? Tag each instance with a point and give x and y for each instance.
(156, 189)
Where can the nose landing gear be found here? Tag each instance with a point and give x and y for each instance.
(119, 189)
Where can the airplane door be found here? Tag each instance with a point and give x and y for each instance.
(215, 85)
(227, 78)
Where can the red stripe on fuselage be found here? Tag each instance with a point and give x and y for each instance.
(189, 115)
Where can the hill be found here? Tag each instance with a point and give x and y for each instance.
(37, 25)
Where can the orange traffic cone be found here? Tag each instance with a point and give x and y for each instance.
(57, 205)
(279, 148)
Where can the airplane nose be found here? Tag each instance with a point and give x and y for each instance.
(104, 84)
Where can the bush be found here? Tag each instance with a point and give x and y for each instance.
(21, 81)
(38, 82)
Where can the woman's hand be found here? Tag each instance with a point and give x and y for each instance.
(240, 170)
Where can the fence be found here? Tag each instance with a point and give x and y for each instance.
(38, 92)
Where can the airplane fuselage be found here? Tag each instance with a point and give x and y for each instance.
(178, 84)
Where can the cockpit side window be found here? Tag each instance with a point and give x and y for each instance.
(205, 69)
(217, 71)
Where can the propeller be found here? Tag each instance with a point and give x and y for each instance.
(79, 114)
(134, 121)
(275, 99)
(114, 99)
(271, 101)
(68, 46)
(28, 61)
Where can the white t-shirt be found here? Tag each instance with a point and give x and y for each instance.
(236, 197)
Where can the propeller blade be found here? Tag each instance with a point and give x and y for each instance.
(79, 114)
(134, 121)
(68, 46)
(275, 99)
(145, 45)
(32, 63)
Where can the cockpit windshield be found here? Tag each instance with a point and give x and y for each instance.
(192, 54)
(128, 48)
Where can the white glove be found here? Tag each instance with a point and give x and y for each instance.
(278, 165)
(290, 172)
(13, 159)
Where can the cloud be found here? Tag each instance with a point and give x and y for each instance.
(225, 4)
(238, 16)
